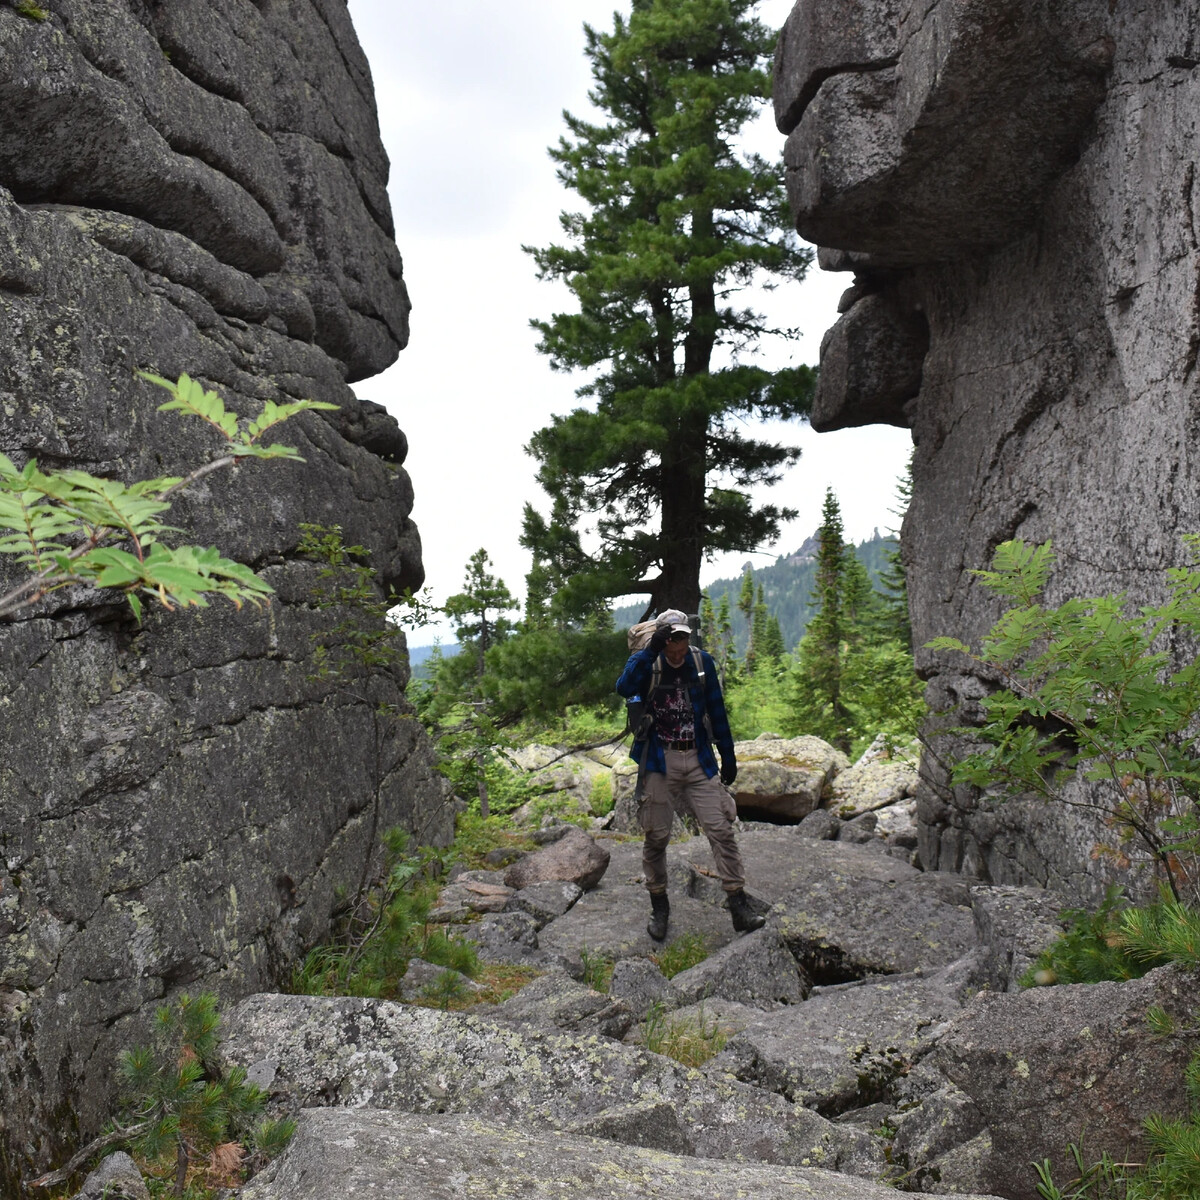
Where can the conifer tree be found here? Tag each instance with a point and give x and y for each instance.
(676, 222)
(746, 608)
(818, 704)
(894, 580)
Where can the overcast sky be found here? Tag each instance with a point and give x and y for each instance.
(470, 96)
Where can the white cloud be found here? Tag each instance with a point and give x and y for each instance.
(470, 96)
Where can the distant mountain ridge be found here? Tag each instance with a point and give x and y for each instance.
(787, 588)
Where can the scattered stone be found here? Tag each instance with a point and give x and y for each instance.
(639, 984)
(116, 1178)
(508, 937)
(545, 901)
(864, 914)
(786, 777)
(573, 856)
(1050, 1066)
(821, 824)
(860, 830)
(557, 1001)
(757, 969)
(502, 856)
(341, 1154)
(652, 1125)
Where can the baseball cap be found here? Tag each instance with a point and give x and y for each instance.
(676, 619)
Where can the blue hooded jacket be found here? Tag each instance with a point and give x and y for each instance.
(706, 697)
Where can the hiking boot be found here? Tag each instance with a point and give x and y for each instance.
(660, 910)
(745, 919)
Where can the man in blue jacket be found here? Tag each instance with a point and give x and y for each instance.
(686, 720)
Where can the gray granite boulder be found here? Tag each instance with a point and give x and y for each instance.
(757, 969)
(556, 1001)
(821, 824)
(424, 980)
(343, 1154)
(871, 785)
(544, 902)
(786, 777)
(861, 913)
(846, 1046)
(640, 985)
(116, 1178)
(574, 858)
(1014, 924)
(1054, 1065)
(352, 1053)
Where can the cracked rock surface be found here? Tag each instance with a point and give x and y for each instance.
(200, 187)
(1013, 185)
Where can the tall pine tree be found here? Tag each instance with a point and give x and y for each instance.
(658, 468)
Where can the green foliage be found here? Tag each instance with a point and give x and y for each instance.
(69, 528)
(385, 931)
(1091, 694)
(853, 677)
(676, 222)
(597, 969)
(1092, 949)
(680, 953)
(179, 1104)
(758, 703)
(31, 9)
(690, 1040)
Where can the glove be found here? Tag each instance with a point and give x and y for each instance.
(728, 770)
(658, 639)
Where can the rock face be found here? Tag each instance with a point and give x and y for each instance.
(1012, 183)
(198, 187)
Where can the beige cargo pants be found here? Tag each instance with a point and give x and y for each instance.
(686, 788)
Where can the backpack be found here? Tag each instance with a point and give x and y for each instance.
(638, 719)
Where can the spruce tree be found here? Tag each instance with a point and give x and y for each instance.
(658, 467)
(819, 707)
(746, 608)
(894, 579)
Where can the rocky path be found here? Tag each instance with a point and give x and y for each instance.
(874, 1042)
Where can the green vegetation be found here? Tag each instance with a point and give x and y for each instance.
(31, 9)
(680, 953)
(1093, 948)
(597, 969)
(385, 930)
(690, 1040)
(676, 223)
(69, 528)
(190, 1128)
(1092, 697)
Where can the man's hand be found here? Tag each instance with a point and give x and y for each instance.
(728, 770)
(658, 639)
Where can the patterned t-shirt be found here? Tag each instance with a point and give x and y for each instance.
(674, 718)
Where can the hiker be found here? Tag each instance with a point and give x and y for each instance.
(677, 768)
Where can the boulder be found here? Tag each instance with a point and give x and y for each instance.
(821, 824)
(339, 1154)
(556, 1001)
(545, 901)
(639, 984)
(353, 1053)
(508, 937)
(757, 969)
(116, 1178)
(1014, 924)
(861, 913)
(847, 1046)
(871, 785)
(423, 979)
(786, 777)
(1054, 1065)
(574, 858)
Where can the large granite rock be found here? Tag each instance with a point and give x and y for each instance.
(352, 1053)
(785, 777)
(198, 187)
(341, 1154)
(1016, 178)
(1050, 1066)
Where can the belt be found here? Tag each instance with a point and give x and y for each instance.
(680, 745)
